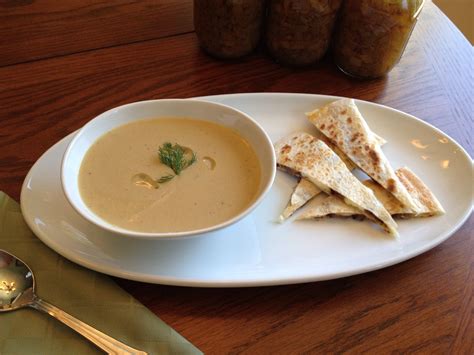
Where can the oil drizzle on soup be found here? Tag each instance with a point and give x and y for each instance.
(118, 176)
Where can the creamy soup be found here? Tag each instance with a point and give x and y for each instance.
(120, 176)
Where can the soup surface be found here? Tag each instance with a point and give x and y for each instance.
(119, 176)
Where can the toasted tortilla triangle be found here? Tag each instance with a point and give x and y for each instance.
(336, 206)
(391, 204)
(379, 140)
(430, 206)
(311, 158)
(304, 191)
(350, 165)
(344, 125)
(328, 206)
(420, 193)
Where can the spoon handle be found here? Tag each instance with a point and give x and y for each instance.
(103, 341)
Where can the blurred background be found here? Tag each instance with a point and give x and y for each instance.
(461, 12)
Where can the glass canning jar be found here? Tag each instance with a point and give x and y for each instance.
(228, 28)
(298, 32)
(371, 35)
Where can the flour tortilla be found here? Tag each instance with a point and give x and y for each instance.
(344, 125)
(417, 189)
(304, 191)
(304, 155)
(420, 193)
(330, 206)
(345, 159)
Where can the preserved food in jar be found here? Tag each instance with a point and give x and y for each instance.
(228, 28)
(372, 34)
(298, 32)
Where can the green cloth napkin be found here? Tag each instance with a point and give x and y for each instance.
(90, 296)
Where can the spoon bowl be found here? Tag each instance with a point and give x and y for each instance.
(17, 283)
(17, 290)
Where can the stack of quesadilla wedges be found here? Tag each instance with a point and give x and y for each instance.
(304, 155)
(324, 162)
(306, 190)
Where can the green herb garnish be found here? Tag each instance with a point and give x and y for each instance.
(165, 178)
(175, 157)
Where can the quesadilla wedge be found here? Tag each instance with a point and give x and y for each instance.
(304, 191)
(350, 164)
(335, 206)
(345, 159)
(344, 125)
(420, 193)
(304, 155)
(330, 206)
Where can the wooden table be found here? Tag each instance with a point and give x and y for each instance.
(62, 63)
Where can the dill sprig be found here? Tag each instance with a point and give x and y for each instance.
(174, 156)
(165, 178)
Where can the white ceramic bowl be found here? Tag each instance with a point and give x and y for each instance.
(202, 110)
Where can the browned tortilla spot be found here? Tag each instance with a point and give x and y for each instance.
(391, 185)
(300, 157)
(354, 137)
(367, 147)
(344, 112)
(374, 156)
(349, 119)
(286, 149)
(323, 126)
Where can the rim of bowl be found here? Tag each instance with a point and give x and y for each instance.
(100, 222)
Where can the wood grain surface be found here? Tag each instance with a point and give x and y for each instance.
(424, 305)
(34, 29)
